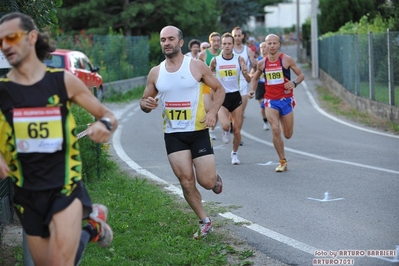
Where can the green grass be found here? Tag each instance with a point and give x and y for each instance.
(336, 105)
(150, 227)
(381, 92)
(119, 97)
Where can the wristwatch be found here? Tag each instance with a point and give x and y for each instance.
(107, 122)
(295, 83)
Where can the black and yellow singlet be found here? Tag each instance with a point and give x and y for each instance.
(38, 133)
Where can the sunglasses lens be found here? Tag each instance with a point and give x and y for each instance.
(12, 38)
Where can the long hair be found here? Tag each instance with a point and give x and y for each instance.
(43, 47)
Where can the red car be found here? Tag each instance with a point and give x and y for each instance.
(78, 64)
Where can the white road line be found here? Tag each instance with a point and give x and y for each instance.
(243, 133)
(321, 111)
(116, 141)
(270, 233)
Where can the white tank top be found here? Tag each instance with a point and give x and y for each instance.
(228, 72)
(181, 99)
(244, 54)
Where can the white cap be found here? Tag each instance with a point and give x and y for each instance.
(205, 44)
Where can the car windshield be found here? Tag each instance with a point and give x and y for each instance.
(56, 61)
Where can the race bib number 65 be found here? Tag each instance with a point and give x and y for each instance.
(38, 129)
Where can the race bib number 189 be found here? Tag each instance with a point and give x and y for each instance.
(274, 76)
(38, 129)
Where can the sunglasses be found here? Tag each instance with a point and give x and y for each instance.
(12, 38)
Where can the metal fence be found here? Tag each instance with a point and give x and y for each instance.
(366, 65)
(119, 57)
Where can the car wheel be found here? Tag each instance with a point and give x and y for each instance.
(100, 94)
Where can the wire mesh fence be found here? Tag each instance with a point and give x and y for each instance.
(119, 57)
(366, 65)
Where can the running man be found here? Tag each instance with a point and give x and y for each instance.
(39, 148)
(194, 47)
(279, 97)
(206, 56)
(228, 68)
(260, 90)
(177, 81)
(250, 61)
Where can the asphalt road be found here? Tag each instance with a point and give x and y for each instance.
(340, 193)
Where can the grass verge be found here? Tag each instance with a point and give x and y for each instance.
(152, 227)
(336, 106)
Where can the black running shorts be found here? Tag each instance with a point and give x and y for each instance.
(232, 100)
(198, 142)
(260, 91)
(35, 209)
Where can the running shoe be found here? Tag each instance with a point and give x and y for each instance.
(218, 186)
(234, 158)
(203, 230)
(266, 126)
(226, 137)
(283, 166)
(241, 143)
(98, 219)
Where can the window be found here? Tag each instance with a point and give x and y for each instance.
(56, 61)
(87, 65)
(75, 61)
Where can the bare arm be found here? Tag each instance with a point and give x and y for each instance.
(79, 94)
(218, 95)
(251, 57)
(244, 69)
(202, 56)
(148, 101)
(255, 78)
(212, 66)
(4, 169)
(291, 64)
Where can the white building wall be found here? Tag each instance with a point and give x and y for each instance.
(284, 14)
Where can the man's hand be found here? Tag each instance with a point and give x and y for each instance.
(148, 104)
(209, 120)
(98, 132)
(251, 94)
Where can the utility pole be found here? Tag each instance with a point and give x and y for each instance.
(314, 36)
(298, 31)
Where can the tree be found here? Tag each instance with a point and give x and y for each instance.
(237, 12)
(334, 15)
(139, 17)
(43, 12)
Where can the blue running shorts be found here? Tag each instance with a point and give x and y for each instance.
(284, 105)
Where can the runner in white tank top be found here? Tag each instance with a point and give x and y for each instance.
(181, 98)
(228, 68)
(187, 140)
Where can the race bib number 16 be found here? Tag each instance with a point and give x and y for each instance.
(38, 129)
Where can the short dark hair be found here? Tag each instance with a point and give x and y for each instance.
(179, 34)
(43, 47)
(213, 34)
(192, 42)
(228, 34)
